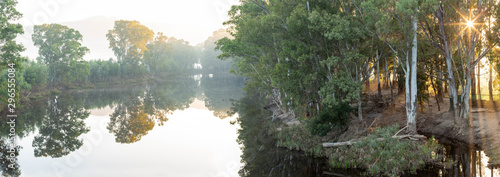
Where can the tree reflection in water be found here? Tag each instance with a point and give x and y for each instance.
(9, 165)
(129, 122)
(260, 154)
(219, 91)
(60, 127)
(138, 114)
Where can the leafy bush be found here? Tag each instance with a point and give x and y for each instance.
(388, 157)
(335, 118)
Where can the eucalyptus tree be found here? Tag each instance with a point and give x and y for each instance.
(183, 55)
(256, 45)
(465, 32)
(158, 56)
(351, 51)
(474, 42)
(10, 50)
(208, 55)
(308, 55)
(128, 40)
(396, 23)
(60, 48)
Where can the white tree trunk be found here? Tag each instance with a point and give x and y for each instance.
(464, 111)
(412, 110)
(452, 87)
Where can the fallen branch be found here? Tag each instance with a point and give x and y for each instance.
(400, 130)
(351, 142)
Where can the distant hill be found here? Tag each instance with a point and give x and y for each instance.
(94, 31)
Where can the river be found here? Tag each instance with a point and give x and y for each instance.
(204, 125)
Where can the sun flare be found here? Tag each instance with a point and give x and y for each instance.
(470, 24)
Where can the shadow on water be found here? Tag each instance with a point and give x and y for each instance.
(260, 154)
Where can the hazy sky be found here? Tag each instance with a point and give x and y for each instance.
(205, 15)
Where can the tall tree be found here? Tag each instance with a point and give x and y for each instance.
(397, 25)
(128, 40)
(208, 57)
(59, 47)
(158, 56)
(10, 50)
(183, 54)
(465, 33)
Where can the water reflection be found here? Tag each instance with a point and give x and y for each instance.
(55, 126)
(219, 91)
(466, 162)
(60, 128)
(8, 163)
(260, 155)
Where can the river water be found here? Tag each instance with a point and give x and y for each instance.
(199, 126)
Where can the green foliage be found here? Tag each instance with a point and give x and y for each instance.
(334, 118)
(36, 74)
(298, 52)
(158, 56)
(54, 92)
(128, 40)
(184, 55)
(10, 50)
(388, 157)
(60, 48)
(298, 137)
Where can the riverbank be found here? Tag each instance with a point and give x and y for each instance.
(372, 152)
(483, 135)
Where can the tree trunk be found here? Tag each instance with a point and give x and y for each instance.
(394, 73)
(490, 80)
(439, 87)
(387, 77)
(389, 81)
(367, 84)
(473, 82)
(360, 108)
(464, 111)
(452, 87)
(378, 76)
(478, 81)
(436, 95)
(412, 113)
(351, 142)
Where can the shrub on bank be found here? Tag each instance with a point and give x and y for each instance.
(334, 118)
(388, 157)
